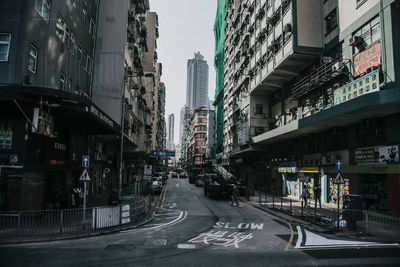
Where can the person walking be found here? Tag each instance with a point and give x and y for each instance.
(304, 195)
(235, 194)
(317, 195)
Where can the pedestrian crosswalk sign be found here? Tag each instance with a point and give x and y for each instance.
(84, 176)
(339, 179)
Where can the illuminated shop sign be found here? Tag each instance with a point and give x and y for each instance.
(309, 169)
(364, 85)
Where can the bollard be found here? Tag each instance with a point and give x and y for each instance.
(290, 206)
(266, 200)
(273, 201)
(315, 210)
(366, 221)
(259, 198)
(61, 220)
(302, 208)
(19, 224)
(281, 204)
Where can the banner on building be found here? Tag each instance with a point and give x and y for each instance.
(364, 85)
(369, 58)
(381, 154)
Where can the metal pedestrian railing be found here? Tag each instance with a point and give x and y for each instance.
(23, 225)
(385, 225)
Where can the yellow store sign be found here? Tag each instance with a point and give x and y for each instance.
(309, 169)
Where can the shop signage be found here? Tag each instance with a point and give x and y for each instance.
(163, 153)
(148, 170)
(309, 169)
(367, 84)
(287, 169)
(366, 59)
(101, 116)
(381, 154)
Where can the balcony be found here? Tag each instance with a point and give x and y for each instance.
(378, 104)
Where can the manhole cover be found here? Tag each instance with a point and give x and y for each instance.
(155, 242)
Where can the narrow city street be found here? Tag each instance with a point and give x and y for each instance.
(190, 229)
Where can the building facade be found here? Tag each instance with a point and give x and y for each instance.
(72, 81)
(196, 137)
(197, 82)
(308, 83)
(170, 137)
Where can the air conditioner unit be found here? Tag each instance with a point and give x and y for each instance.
(128, 70)
(355, 40)
(337, 67)
(270, 20)
(287, 27)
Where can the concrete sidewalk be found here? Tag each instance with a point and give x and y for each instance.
(322, 220)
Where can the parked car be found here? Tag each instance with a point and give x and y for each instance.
(200, 180)
(156, 186)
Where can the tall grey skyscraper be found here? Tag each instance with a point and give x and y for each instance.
(171, 125)
(197, 82)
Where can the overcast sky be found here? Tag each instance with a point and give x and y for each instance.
(185, 26)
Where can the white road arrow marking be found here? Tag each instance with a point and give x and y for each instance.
(316, 241)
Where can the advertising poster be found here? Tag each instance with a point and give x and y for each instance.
(364, 85)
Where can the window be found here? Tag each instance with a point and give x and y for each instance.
(91, 27)
(32, 61)
(259, 108)
(88, 64)
(5, 41)
(79, 54)
(360, 3)
(61, 84)
(72, 44)
(69, 85)
(370, 34)
(64, 32)
(60, 27)
(43, 8)
(331, 21)
(84, 60)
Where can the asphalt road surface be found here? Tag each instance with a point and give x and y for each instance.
(190, 229)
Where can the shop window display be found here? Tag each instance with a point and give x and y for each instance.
(343, 190)
(373, 192)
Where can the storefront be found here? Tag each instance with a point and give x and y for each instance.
(310, 177)
(290, 179)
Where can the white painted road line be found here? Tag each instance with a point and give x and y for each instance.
(186, 246)
(158, 226)
(299, 237)
(316, 241)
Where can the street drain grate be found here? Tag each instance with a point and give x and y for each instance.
(155, 242)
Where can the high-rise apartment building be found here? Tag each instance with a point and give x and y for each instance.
(307, 83)
(197, 82)
(170, 133)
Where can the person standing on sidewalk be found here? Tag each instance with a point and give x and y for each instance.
(317, 195)
(304, 195)
(235, 194)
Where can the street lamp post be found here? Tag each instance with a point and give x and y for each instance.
(122, 144)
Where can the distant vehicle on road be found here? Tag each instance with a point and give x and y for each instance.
(174, 175)
(156, 186)
(216, 185)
